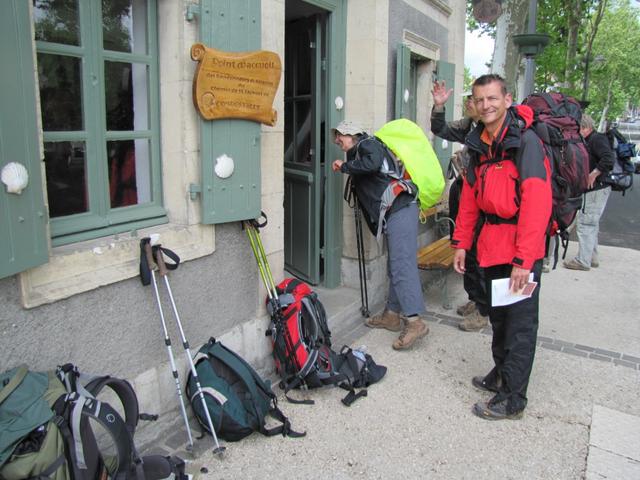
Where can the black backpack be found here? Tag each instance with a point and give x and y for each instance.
(237, 398)
(54, 426)
(620, 178)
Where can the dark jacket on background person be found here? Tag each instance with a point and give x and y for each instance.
(365, 163)
(601, 156)
(509, 183)
(455, 131)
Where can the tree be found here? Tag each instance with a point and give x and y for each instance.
(614, 82)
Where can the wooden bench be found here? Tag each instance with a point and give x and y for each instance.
(438, 255)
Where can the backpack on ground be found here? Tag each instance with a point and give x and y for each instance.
(360, 370)
(413, 151)
(557, 122)
(237, 398)
(302, 349)
(620, 178)
(54, 426)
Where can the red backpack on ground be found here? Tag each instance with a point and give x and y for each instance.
(302, 351)
(557, 123)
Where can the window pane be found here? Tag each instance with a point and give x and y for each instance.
(57, 21)
(65, 164)
(129, 172)
(60, 92)
(124, 25)
(126, 96)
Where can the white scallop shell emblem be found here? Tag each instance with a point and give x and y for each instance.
(15, 176)
(224, 166)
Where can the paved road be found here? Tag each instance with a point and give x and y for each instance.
(620, 223)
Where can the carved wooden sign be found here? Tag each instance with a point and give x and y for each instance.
(236, 84)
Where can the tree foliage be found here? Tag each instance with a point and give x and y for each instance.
(585, 50)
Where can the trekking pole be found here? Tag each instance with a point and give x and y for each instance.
(352, 200)
(146, 245)
(162, 270)
(362, 269)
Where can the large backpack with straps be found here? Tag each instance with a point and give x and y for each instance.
(413, 151)
(237, 398)
(620, 178)
(557, 123)
(55, 427)
(302, 347)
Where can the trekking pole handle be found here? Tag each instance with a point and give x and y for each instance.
(147, 250)
(162, 267)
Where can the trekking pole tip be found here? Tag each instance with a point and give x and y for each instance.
(219, 450)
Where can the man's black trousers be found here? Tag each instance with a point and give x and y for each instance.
(515, 329)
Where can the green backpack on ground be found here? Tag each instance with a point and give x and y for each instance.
(410, 145)
(237, 398)
(52, 426)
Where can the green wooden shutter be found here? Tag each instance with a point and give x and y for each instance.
(446, 71)
(23, 218)
(403, 81)
(231, 26)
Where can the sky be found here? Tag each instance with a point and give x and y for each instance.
(477, 52)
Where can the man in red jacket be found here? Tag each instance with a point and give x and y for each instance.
(508, 183)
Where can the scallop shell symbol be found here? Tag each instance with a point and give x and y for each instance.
(15, 176)
(224, 166)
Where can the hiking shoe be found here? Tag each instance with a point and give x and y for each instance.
(495, 411)
(575, 265)
(413, 330)
(387, 319)
(466, 309)
(480, 384)
(473, 322)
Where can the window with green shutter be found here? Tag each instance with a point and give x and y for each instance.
(97, 68)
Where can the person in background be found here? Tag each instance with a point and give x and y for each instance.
(601, 159)
(508, 182)
(396, 218)
(476, 310)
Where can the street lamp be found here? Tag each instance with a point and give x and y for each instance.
(598, 61)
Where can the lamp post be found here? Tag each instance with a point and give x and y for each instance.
(598, 60)
(530, 44)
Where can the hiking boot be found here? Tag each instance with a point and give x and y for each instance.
(480, 384)
(495, 411)
(466, 309)
(387, 319)
(473, 322)
(414, 329)
(575, 265)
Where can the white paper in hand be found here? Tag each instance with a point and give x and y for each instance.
(502, 295)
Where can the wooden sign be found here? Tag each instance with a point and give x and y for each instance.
(236, 84)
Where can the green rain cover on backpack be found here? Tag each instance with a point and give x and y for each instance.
(409, 143)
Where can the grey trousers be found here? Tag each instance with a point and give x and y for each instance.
(405, 289)
(589, 224)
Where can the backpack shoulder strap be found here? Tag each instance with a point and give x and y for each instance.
(125, 393)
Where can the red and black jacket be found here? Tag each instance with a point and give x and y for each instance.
(509, 184)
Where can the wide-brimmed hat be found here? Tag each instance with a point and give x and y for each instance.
(347, 127)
